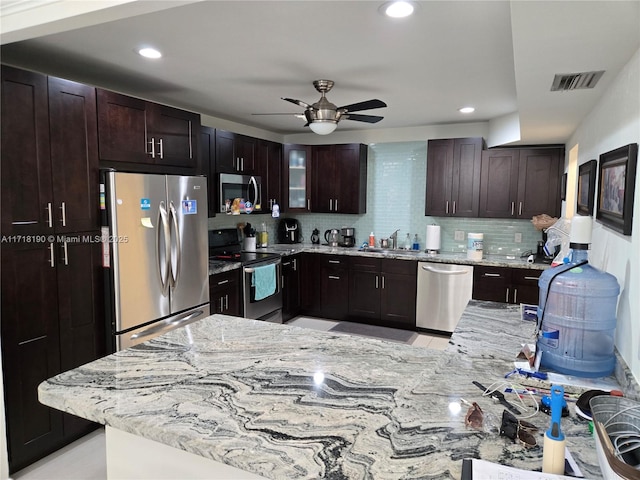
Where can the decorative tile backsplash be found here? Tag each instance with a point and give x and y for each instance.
(396, 183)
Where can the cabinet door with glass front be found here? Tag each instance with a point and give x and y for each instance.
(297, 160)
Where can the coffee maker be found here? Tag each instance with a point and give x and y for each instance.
(347, 237)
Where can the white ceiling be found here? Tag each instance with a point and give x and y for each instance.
(229, 59)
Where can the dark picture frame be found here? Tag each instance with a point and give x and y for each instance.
(586, 187)
(563, 187)
(616, 188)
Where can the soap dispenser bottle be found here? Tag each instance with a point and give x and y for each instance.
(416, 243)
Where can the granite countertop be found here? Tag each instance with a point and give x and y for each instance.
(308, 404)
(459, 258)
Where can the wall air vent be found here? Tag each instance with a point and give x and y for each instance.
(575, 81)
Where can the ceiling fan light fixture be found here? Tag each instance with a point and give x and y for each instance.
(398, 9)
(323, 127)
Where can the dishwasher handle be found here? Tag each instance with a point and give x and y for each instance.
(444, 272)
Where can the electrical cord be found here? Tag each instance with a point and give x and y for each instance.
(546, 299)
(515, 388)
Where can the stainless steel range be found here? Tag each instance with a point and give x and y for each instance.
(261, 274)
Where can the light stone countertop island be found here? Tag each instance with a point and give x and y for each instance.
(284, 402)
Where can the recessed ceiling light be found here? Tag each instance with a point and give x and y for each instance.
(467, 110)
(398, 9)
(149, 53)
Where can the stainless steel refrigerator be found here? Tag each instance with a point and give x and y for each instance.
(157, 261)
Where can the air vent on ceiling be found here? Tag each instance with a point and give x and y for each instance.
(575, 81)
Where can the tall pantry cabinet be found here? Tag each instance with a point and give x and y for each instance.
(51, 259)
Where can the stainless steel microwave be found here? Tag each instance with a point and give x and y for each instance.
(240, 193)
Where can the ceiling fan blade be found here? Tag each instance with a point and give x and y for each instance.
(294, 114)
(367, 105)
(363, 118)
(297, 102)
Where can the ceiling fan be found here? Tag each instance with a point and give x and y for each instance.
(323, 116)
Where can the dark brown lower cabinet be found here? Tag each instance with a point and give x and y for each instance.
(225, 293)
(383, 291)
(506, 285)
(52, 321)
(334, 287)
(290, 287)
(310, 284)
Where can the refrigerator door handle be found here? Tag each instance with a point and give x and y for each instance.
(163, 233)
(173, 216)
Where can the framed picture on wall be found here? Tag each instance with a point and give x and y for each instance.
(616, 185)
(586, 187)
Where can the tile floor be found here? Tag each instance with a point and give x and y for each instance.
(85, 459)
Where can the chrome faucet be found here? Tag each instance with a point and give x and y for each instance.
(394, 239)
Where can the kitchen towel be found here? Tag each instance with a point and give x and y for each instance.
(433, 238)
(263, 280)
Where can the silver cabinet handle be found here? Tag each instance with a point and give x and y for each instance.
(190, 142)
(221, 305)
(160, 149)
(333, 277)
(64, 214)
(336, 204)
(515, 295)
(331, 204)
(454, 207)
(532, 278)
(376, 281)
(308, 204)
(520, 209)
(295, 264)
(226, 302)
(65, 252)
(153, 147)
(383, 282)
(506, 299)
(286, 264)
(52, 256)
(490, 274)
(446, 207)
(242, 164)
(334, 261)
(222, 282)
(513, 206)
(49, 215)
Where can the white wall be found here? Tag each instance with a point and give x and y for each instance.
(613, 123)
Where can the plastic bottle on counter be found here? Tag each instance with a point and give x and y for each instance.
(372, 240)
(416, 243)
(407, 243)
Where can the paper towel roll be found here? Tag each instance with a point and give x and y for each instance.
(433, 238)
(475, 243)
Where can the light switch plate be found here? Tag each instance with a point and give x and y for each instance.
(518, 238)
(458, 235)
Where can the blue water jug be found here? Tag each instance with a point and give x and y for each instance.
(577, 309)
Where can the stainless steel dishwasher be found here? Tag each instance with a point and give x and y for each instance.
(443, 293)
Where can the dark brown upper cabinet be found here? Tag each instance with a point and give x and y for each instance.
(339, 178)
(140, 132)
(453, 177)
(520, 183)
(235, 153)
